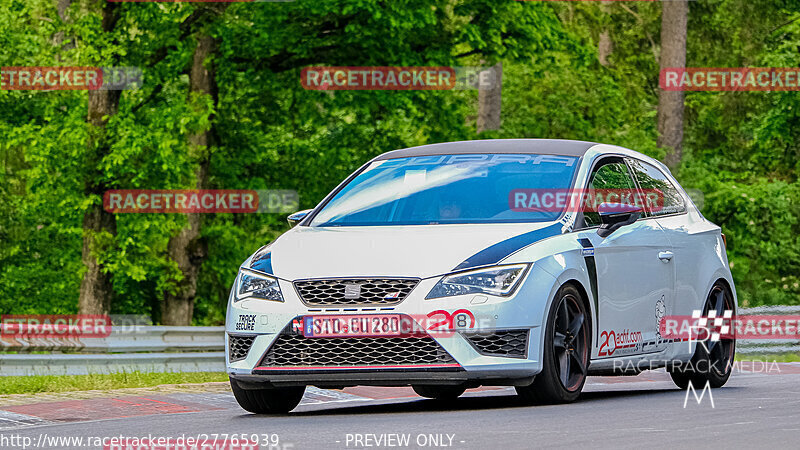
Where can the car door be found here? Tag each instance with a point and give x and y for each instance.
(685, 236)
(634, 278)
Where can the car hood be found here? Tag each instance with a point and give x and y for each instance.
(419, 251)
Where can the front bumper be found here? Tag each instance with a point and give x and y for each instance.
(269, 320)
(383, 377)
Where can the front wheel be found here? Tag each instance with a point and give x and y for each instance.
(712, 362)
(566, 351)
(267, 400)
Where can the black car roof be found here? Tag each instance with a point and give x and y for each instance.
(560, 147)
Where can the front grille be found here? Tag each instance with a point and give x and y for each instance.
(239, 346)
(511, 343)
(360, 291)
(296, 350)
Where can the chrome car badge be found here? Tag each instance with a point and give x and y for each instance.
(352, 290)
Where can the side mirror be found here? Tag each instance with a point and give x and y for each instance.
(614, 216)
(297, 217)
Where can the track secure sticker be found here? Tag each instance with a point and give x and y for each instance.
(246, 322)
(587, 252)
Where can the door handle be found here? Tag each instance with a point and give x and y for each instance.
(665, 256)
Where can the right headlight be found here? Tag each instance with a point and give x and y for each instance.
(252, 284)
(496, 280)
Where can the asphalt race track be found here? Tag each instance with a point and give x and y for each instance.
(755, 409)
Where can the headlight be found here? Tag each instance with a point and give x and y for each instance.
(497, 280)
(252, 284)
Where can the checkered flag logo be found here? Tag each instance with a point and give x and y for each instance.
(720, 326)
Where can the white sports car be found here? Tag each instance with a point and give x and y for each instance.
(527, 262)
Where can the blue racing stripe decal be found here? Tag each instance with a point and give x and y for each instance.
(263, 264)
(497, 252)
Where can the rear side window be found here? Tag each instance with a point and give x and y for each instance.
(654, 182)
(612, 176)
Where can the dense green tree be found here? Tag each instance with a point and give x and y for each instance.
(579, 70)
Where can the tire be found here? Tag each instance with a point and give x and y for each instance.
(267, 400)
(712, 362)
(439, 392)
(567, 342)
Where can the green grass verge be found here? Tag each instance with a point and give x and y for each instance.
(66, 383)
(778, 357)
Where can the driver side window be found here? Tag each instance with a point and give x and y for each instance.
(609, 174)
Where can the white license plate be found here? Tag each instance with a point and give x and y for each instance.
(357, 325)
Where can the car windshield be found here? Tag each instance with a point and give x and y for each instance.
(447, 189)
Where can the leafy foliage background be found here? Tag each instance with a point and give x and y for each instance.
(742, 149)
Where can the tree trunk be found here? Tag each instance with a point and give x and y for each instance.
(61, 7)
(490, 102)
(187, 248)
(605, 46)
(674, 17)
(99, 227)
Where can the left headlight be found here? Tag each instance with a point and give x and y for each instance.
(497, 280)
(252, 284)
